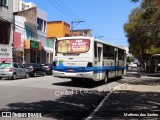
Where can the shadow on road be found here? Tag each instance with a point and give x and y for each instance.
(128, 102)
(81, 84)
(67, 107)
(145, 81)
(85, 84)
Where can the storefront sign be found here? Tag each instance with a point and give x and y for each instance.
(34, 44)
(5, 53)
(50, 43)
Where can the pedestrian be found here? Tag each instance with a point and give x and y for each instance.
(127, 66)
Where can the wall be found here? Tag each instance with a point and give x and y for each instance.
(82, 32)
(30, 23)
(42, 34)
(66, 28)
(20, 20)
(6, 12)
(20, 5)
(57, 29)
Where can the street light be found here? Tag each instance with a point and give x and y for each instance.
(77, 22)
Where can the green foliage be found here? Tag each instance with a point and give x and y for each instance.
(130, 59)
(153, 50)
(143, 29)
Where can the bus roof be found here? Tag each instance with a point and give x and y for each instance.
(95, 39)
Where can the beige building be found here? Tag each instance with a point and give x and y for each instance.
(82, 32)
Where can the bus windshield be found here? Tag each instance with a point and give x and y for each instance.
(73, 46)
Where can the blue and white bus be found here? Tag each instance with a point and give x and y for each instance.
(88, 58)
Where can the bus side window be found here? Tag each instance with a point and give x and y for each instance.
(104, 51)
(95, 49)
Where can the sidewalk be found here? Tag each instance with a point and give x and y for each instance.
(141, 101)
(142, 74)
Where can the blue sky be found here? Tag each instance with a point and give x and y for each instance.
(104, 17)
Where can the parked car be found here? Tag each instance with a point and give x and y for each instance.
(35, 69)
(133, 65)
(13, 70)
(48, 68)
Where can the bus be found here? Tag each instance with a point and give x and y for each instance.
(88, 58)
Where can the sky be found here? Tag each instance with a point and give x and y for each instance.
(105, 17)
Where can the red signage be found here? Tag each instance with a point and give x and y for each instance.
(73, 46)
(17, 40)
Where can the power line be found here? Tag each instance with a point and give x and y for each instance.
(64, 8)
(64, 12)
(73, 14)
(13, 22)
(86, 23)
(71, 10)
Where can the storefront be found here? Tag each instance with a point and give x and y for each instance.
(32, 51)
(49, 54)
(18, 51)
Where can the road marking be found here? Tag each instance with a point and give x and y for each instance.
(101, 103)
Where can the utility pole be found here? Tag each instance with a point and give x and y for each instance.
(77, 22)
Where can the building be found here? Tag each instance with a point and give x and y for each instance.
(82, 32)
(55, 29)
(6, 30)
(33, 21)
(58, 29)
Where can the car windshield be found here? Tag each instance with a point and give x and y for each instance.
(5, 65)
(73, 46)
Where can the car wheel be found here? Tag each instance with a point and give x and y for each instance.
(14, 76)
(35, 74)
(27, 75)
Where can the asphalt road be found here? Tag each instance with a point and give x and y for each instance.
(55, 98)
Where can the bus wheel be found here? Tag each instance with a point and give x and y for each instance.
(74, 80)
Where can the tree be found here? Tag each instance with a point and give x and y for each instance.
(130, 59)
(136, 33)
(143, 29)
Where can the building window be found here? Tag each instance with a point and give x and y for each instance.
(40, 24)
(3, 2)
(44, 26)
(23, 6)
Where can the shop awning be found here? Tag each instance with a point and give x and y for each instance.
(47, 49)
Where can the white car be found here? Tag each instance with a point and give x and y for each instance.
(133, 65)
